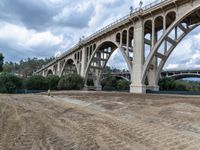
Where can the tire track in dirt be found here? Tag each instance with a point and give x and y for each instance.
(54, 125)
(147, 134)
(154, 136)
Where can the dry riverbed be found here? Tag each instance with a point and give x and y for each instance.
(99, 120)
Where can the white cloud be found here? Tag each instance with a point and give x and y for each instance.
(117, 61)
(44, 38)
(29, 38)
(186, 55)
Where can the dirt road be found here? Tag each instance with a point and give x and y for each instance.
(105, 121)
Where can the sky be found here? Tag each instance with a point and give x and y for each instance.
(45, 28)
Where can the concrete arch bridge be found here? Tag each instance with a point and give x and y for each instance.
(146, 37)
(176, 74)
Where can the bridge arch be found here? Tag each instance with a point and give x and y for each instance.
(49, 72)
(186, 75)
(99, 59)
(69, 67)
(118, 76)
(181, 27)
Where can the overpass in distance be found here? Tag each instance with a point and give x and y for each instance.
(176, 74)
(146, 38)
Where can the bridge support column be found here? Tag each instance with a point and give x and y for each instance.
(137, 86)
(152, 85)
(58, 69)
(97, 86)
(83, 62)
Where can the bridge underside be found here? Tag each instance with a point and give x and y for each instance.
(146, 38)
(182, 76)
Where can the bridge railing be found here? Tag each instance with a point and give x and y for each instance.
(146, 7)
(153, 4)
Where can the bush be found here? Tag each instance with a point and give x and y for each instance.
(9, 83)
(167, 84)
(52, 82)
(36, 82)
(71, 82)
(123, 85)
(109, 83)
(108, 88)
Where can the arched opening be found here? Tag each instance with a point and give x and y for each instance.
(158, 25)
(50, 72)
(159, 29)
(97, 67)
(69, 68)
(172, 36)
(130, 43)
(131, 36)
(124, 38)
(118, 38)
(170, 18)
(147, 37)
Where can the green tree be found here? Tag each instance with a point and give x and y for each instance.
(36, 82)
(52, 82)
(110, 83)
(9, 83)
(71, 82)
(26, 67)
(123, 85)
(1, 62)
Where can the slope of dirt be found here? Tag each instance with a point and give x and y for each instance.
(99, 120)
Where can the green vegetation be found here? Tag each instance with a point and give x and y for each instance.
(71, 82)
(123, 85)
(52, 82)
(9, 83)
(36, 82)
(115, 84)
(170, 84)
(18, 76)
(26, 67)
(1, 62)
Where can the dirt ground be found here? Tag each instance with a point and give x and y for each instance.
(99, 120)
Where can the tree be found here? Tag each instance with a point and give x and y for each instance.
(26, 67)
(1, 62)
(36, 82)
(71, 82)
(9, 83)
(123, 85)
(52, 82)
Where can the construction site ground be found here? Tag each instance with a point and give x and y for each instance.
(99, 120)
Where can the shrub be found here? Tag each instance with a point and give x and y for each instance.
(109, 83)
(71, 82)
(123, 85)
(52, 82)
(36, 82)
(167, 84)
(9, 83)
(108, 88)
